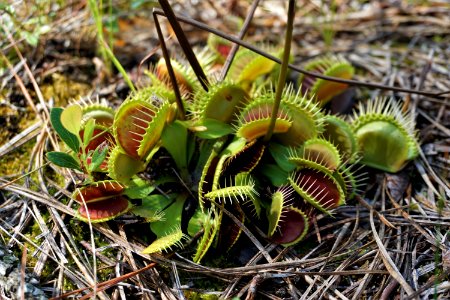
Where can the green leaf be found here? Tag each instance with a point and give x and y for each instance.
(98, 156)
(214, 129)
(63, 160)
(71, 118)
(71, 140)
(172, 212)
(281, 155)
(139, 188)
(174, 139)
(32, 38)
(151, 206)
(275, 174)
(196, 222)
(135, 4)
(88, 131)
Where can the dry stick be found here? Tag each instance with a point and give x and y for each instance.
(226, 294)
(326, 260)
(438, 125)
(370, 208)
(339, 239)
(365, 280)
(172, 77)
(119, 290)
(23, 263)
(20, 139)
(31, 243)
(419, 228)
(21, 85)
(389, 264)
(426, 286)
(298, 69)
(131, 260)
(283, 71)
(251, 270)
(184, 43)
(235, 47)
(106, 284)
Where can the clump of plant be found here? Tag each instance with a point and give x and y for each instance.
(85, 132)
(274, 158)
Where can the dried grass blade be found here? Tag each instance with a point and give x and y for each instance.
(387, 260)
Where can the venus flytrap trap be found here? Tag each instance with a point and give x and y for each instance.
(386, 135)
(321, 89)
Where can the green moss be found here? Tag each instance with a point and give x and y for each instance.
(16, 161)
(199, 296)
(62, 89)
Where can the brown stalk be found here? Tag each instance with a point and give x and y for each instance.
(184, 43)
(298, 69)
(235, 47)
(23, 263)
(106, 284)
(173, 79)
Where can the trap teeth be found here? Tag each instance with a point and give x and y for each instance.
(254, 120)
(139, 123)
(102, 114)
(101, 201)
(220, 47)
(101, 137)
(184, 79)
(104, 210)
(291, 228)
(317, 153)
(318, 188)
(305, 115)
(249, 66)
(98, 191)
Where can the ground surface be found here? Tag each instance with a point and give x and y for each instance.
(392, 243)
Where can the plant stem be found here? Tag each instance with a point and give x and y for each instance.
(184, 43)
(283, 71)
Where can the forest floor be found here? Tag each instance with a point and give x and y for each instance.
(392, 243)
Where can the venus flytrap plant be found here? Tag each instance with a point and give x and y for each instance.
(228, 143)
(89, 144)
